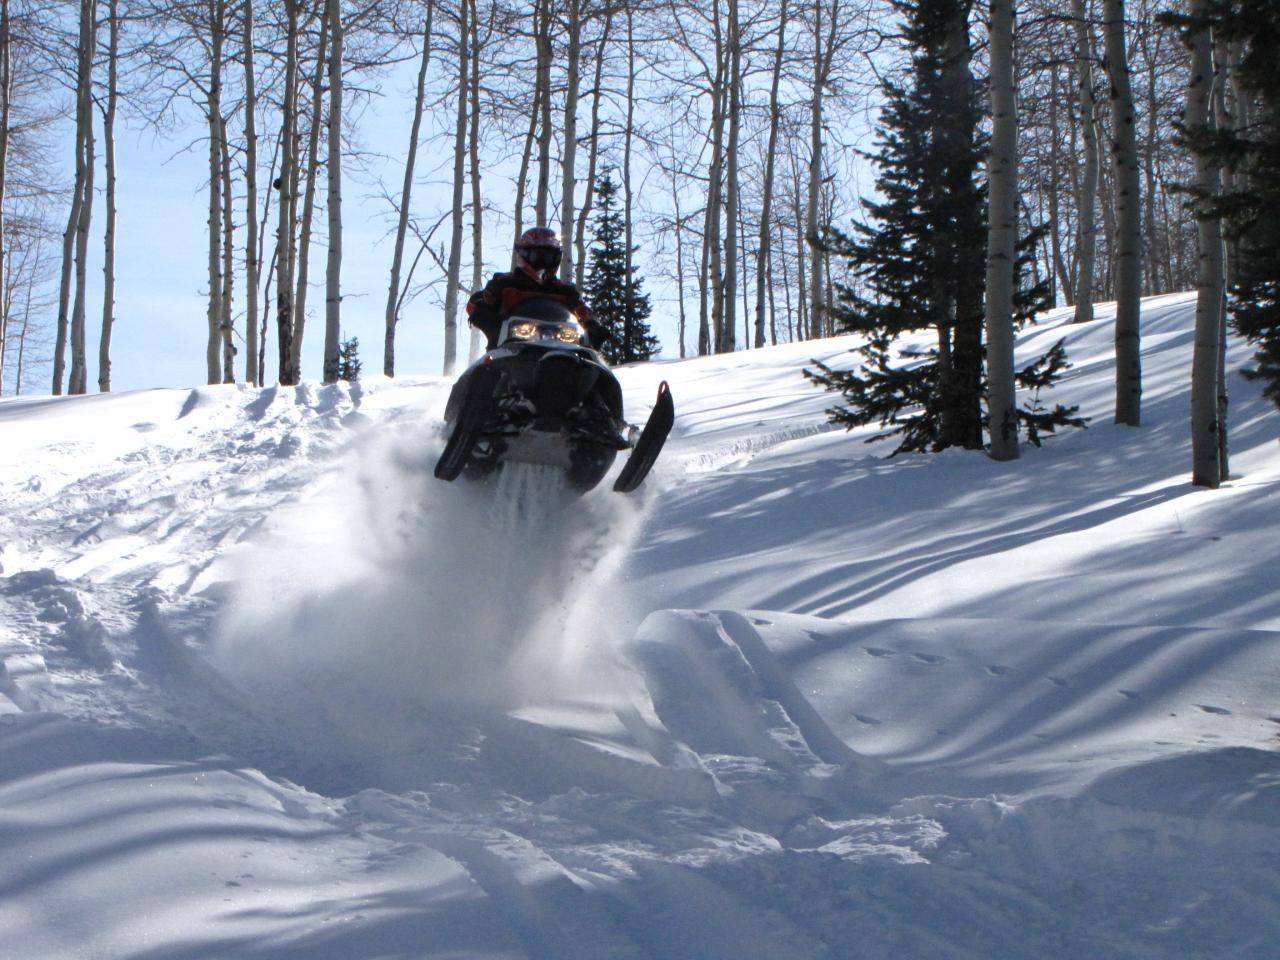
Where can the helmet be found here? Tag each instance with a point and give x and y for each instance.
(538, 250)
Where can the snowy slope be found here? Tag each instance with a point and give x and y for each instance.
(269, 690)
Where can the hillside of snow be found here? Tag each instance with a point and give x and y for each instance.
(269, 690)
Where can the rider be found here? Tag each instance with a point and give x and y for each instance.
(537, 254)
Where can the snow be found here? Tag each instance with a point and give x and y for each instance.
(268, 690)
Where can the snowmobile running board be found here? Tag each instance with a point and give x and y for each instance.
(650, 443)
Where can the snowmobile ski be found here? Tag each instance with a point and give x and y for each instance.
(650, 443)
(472, 417)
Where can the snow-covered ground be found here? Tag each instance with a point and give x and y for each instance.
(267, 690)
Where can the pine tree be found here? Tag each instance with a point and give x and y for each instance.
(1252, 209)
(349, 359)
(919, 260)
(623, 312)
(920, 255)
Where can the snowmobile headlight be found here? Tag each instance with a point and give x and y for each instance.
(523, 330)
(568, 332)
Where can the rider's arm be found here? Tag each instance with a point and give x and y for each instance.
(482, 310)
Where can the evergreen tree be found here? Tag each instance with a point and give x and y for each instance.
(349, 359)
(1251, 210)
(919, 261)
(621, 308)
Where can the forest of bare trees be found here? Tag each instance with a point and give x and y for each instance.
(737, 129)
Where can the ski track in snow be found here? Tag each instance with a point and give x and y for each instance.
(269, 690)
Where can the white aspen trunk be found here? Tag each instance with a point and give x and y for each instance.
(1128, 237)
(267, 304)
(1087, 241)
(6, 94)
(226, 322)
(805, 331)
(1002, 235)
(252, 258)
(288, 202)
(1152, 145)
(593, 153)
(542, 198)
(1205, 469)
(821, 64)
(77, 382)
(306, 227)
(104, 342)
(333, 265)
(406, 190)
(79, 375)
(763, 255)
(477, 198)
(213, 118)
(459, 174)
(679, 225)
(568, 165)
(1058, 264)
(730, 339)
(716, 185)
(627, 325)
(84, 79)
(522, 179)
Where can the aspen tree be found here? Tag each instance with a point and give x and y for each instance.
(406, 190)
(253, 257)
(109, 236)
(1205, 470)
(1087, 241)
(1128, 213)
(333, 266)
(459, 169)
(1002, 236)
(288, 201)
(763, 253)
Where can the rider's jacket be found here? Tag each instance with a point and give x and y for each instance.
(488, 308)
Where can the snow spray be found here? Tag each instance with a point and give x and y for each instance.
(385, 597)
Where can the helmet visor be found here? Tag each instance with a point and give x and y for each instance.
(541, 258)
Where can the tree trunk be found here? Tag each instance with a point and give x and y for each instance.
(1205, 471)
(541, 200)
(459, 174)
(1153, 284)
(1087, 242)
(1128, 255)
(522, 180)
(763, 258)
(593, 152)
(1058, 263)
(77, 380)
(822, 51)
(628, 317)
(6, 95)
(288, 201)
(406, 189)
(252, 258)
(1002, 235)
(730, 340)
(333, 266)
(226, 321)
(679, 225)
(309, 199)
(213, 118)
(568, 163)
(716, 184)
(477, 202)
(109, 237)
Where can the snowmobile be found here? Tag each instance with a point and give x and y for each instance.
(542, 395)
